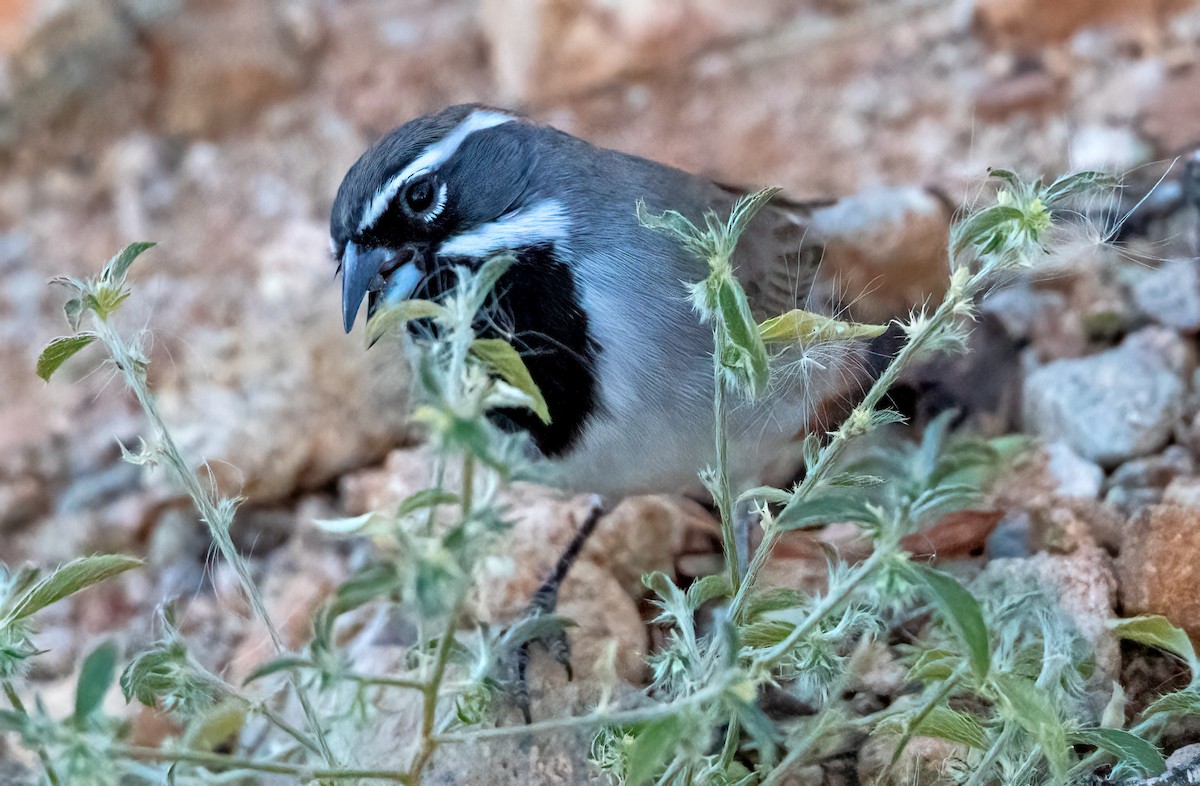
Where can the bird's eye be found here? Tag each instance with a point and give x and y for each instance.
(419, 194)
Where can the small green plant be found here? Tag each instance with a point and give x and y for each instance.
(1000, 677)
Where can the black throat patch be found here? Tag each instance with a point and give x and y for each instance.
(536, 308)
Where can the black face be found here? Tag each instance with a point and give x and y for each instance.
(431, 195)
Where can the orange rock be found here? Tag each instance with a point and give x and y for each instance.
(1171, 120)
(1157, 570)
(1025, 24)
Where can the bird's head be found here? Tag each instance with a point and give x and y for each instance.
(450, 185)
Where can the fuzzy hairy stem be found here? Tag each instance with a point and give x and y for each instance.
(832, 452)
(219, 521)
(723, 494)
(47, 765)
(301, 773)
(621, 718)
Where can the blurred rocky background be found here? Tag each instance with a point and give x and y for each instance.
(221, 129)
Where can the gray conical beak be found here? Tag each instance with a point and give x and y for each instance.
(377, 270)
(359, 267)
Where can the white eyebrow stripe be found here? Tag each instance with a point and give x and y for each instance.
(431, 158)
(542, 222)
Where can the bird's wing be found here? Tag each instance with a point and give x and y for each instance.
(777, 258)
(872, 256)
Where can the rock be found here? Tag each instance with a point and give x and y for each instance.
(1032, 89)
(1027, 24)
(885, 249)
(1141, 482)
(924, 762)
(1183, 491)
(1074, 475)
(542, 51)
(1157, 567)
(220, 63)
(60, 57)
(278, 409)
(1183, 766)
(1169, 119)
(1107, 148)
(22, 500)
(1113, 406)
(1171, 295)
(1082, 585)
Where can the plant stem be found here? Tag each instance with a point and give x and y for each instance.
(722, 494)
(827, 606)
(15, 700)
(943, 693)
(212, 512)
(432, 688)
(301, 773)
(638, 715)
(386, 681)
(833, 450)
(733, 735)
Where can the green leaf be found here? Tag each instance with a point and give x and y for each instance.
(394, 317)
(768, 494)
(116, 268)
(764, 601)
(1005, 175)
(934, 666)
(744, 353)
(1077, 183)
(69, 579)
(276, 665)
(746, 208)
(351, 525)
(1031, 709)
(854, 480)
(425, 498)
(986, 228)
(835, 504)
(961, 610)
(1113, 716)
(1183, 702)
(500, 357)
(1128, 748)
(105, 300)
(73, 309)
(652, 747)
(59, 351)
(948, 724)
(707, 588)
(807, 328)
(95, 678)
(367, 584)
(1157, 631)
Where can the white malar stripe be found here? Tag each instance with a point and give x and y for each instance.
(431, 158)
(543, 222)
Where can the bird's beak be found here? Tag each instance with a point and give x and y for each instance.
(373, 269)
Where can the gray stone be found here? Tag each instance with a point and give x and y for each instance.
(1074, 475)
(1183, 767)
(1112, 406)
(1171, 295)
(1141, 482)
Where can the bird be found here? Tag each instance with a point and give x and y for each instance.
(595, 302)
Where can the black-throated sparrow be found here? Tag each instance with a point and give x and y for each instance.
(596, 302)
